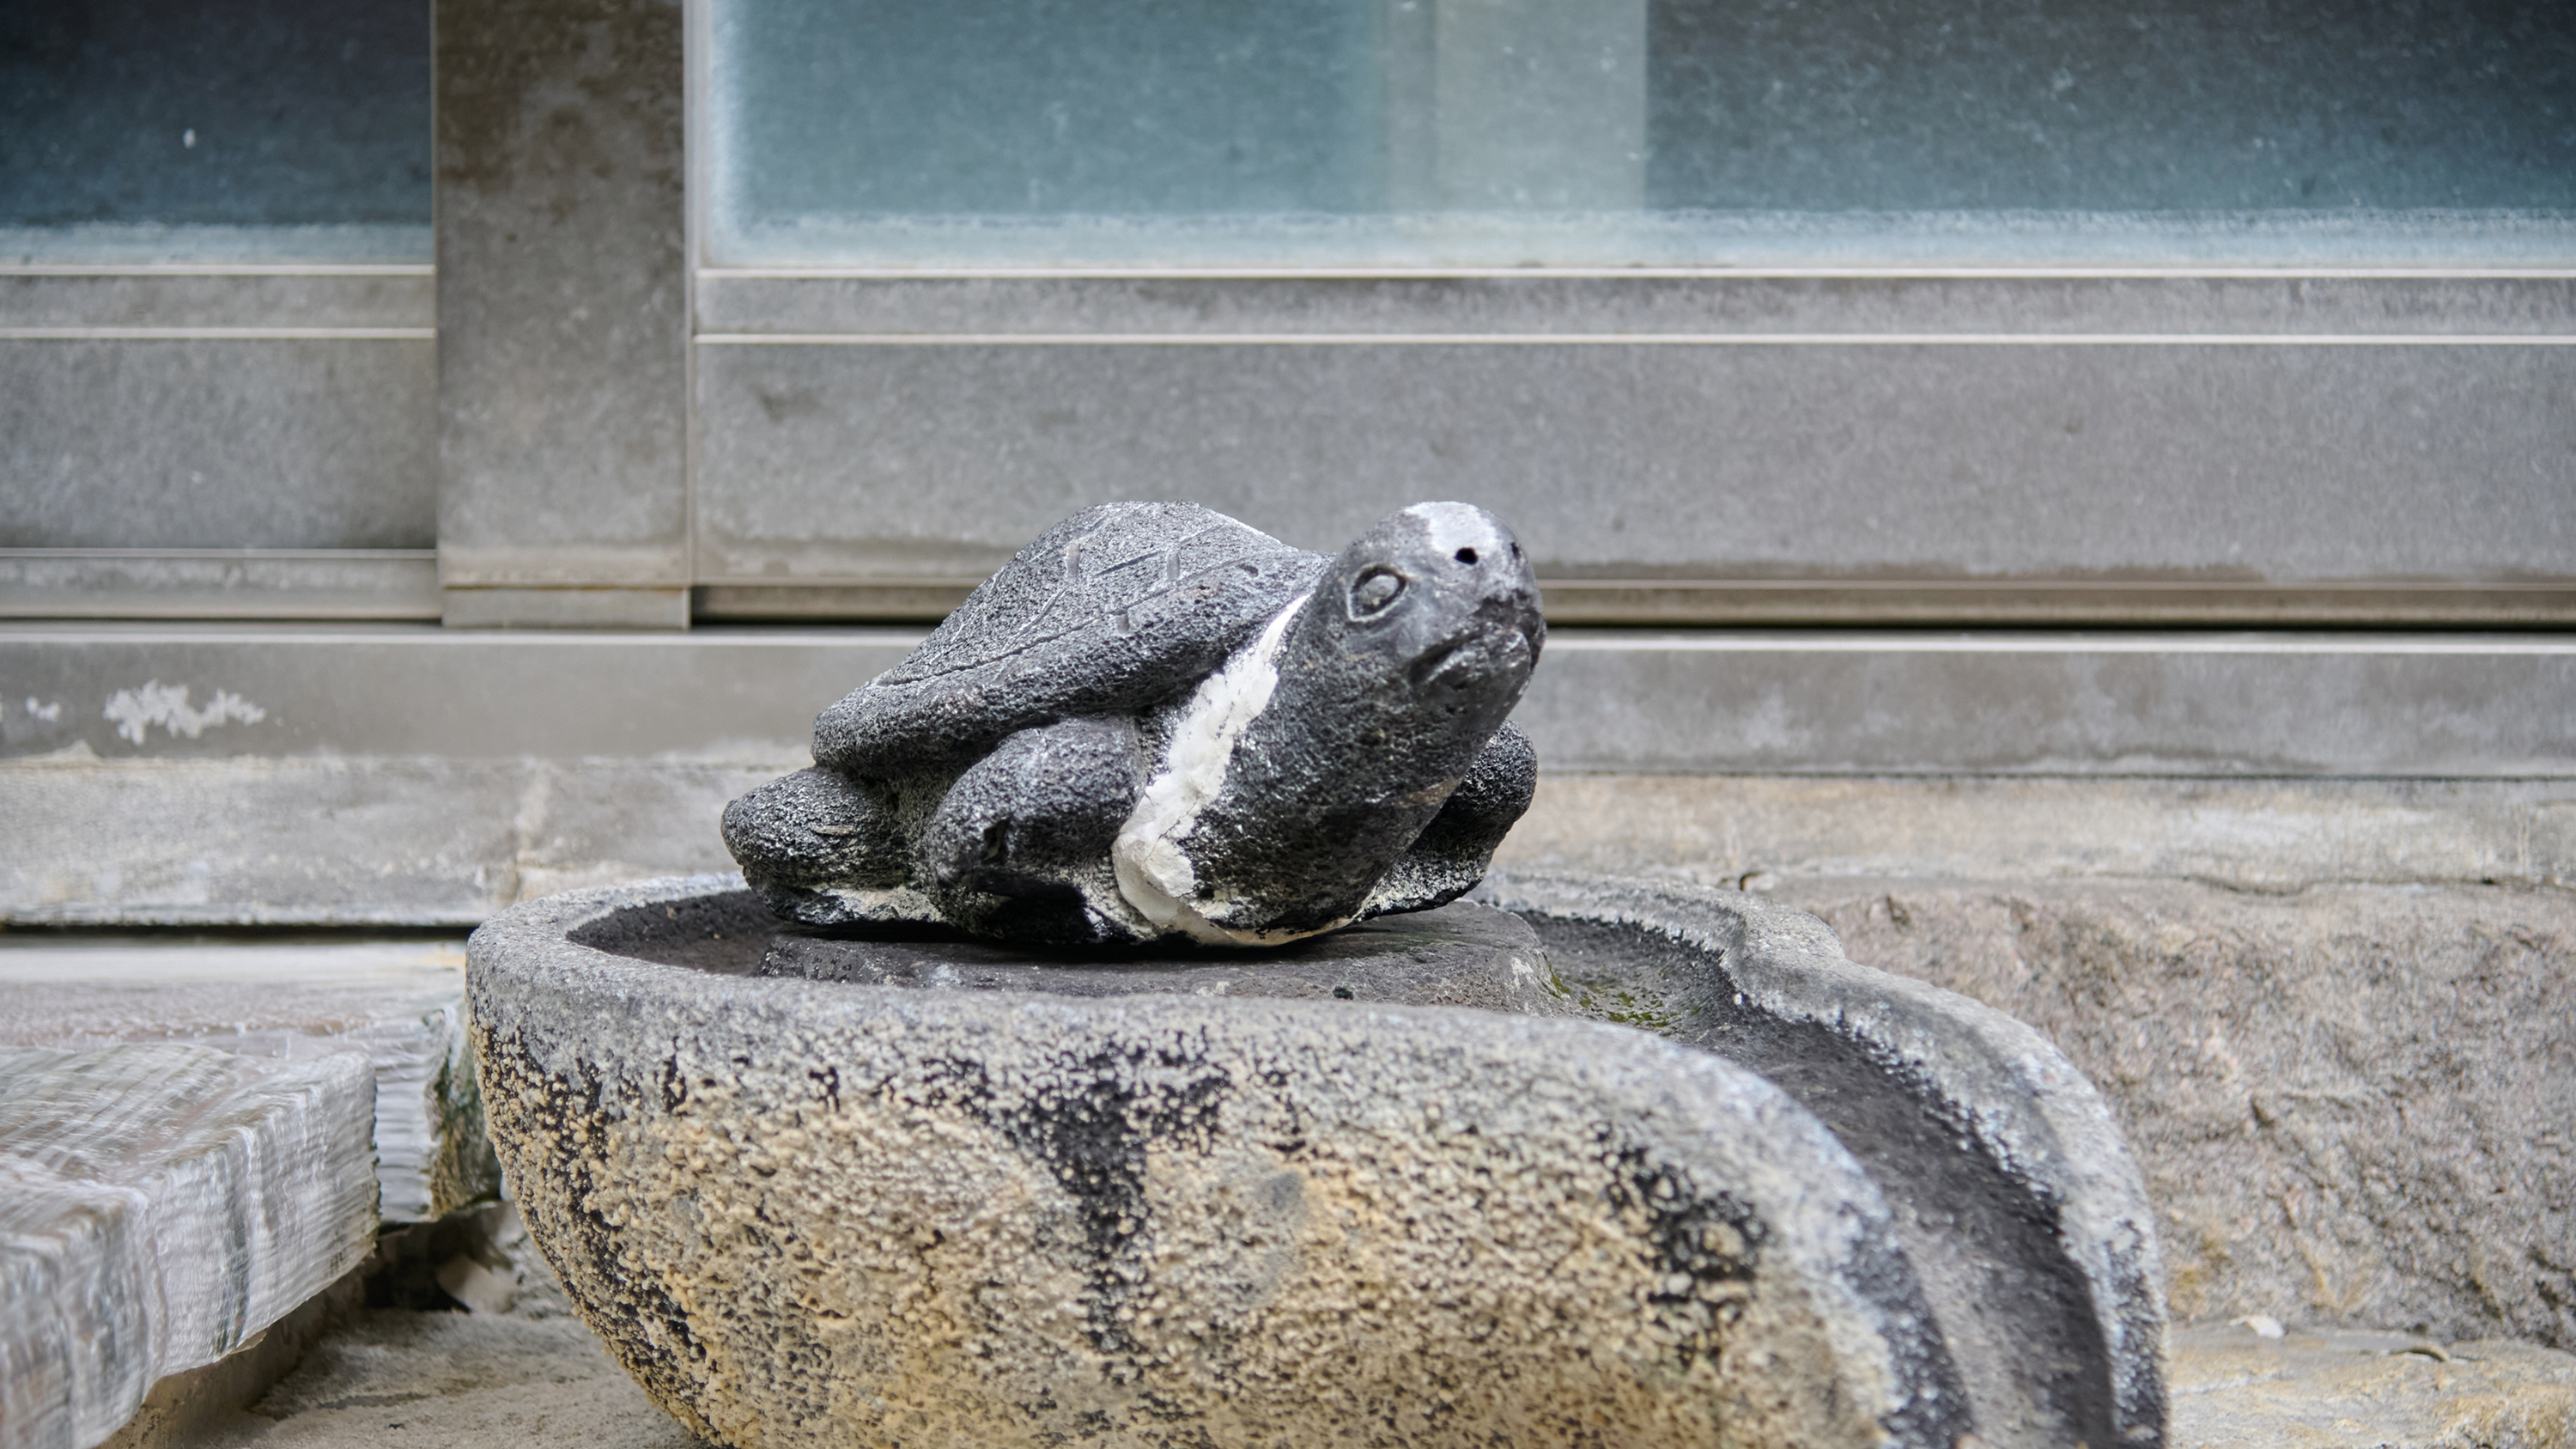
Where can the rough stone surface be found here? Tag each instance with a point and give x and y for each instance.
(2014, 1199)
(402, 1003)
(1156, 721)
(2237, 1384)
(159, 1206)
(942, 1210)
(812, 1211)
(2353, 1105)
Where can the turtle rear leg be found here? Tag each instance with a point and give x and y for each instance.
(820, 848)
(1454, 850)
(1020, 845)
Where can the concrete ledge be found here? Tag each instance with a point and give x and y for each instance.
(101, 583)
(398, 774)
(2265, 835)
(414, 841)
(2299, 705)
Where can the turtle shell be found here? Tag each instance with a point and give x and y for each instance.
(1116, 609)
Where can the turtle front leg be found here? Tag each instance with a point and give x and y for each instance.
(1454, 850)
(1019, 848)
(822, 849)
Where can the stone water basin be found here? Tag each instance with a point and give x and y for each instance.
(1585, 1162)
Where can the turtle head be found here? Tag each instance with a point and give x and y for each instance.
(1387, 685)
(1439, 597)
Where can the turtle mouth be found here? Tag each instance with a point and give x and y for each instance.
(1463, 663)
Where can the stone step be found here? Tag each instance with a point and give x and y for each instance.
(160, 1205)
(398, 1003)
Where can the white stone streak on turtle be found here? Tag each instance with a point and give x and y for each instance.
(1154, 874)
(1453, 526)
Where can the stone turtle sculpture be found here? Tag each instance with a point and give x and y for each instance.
(1157, 721)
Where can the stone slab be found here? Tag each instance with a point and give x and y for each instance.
(160, 1205)
(398, 1003)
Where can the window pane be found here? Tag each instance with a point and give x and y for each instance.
(1053, 107)
(152, 129)
(2165, 105)
(1612, 131)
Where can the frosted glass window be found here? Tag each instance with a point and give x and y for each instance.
(2181, 105)
(180, 129)
(930, 132)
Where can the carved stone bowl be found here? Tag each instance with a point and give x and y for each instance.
(1587, 1163)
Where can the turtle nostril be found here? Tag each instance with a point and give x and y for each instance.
(1466, 555)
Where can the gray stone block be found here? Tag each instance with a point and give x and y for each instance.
(400, 1004)
(159, 1206)
(562, 399)
(290, 442)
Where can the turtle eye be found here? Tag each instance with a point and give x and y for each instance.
(1376, 589)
